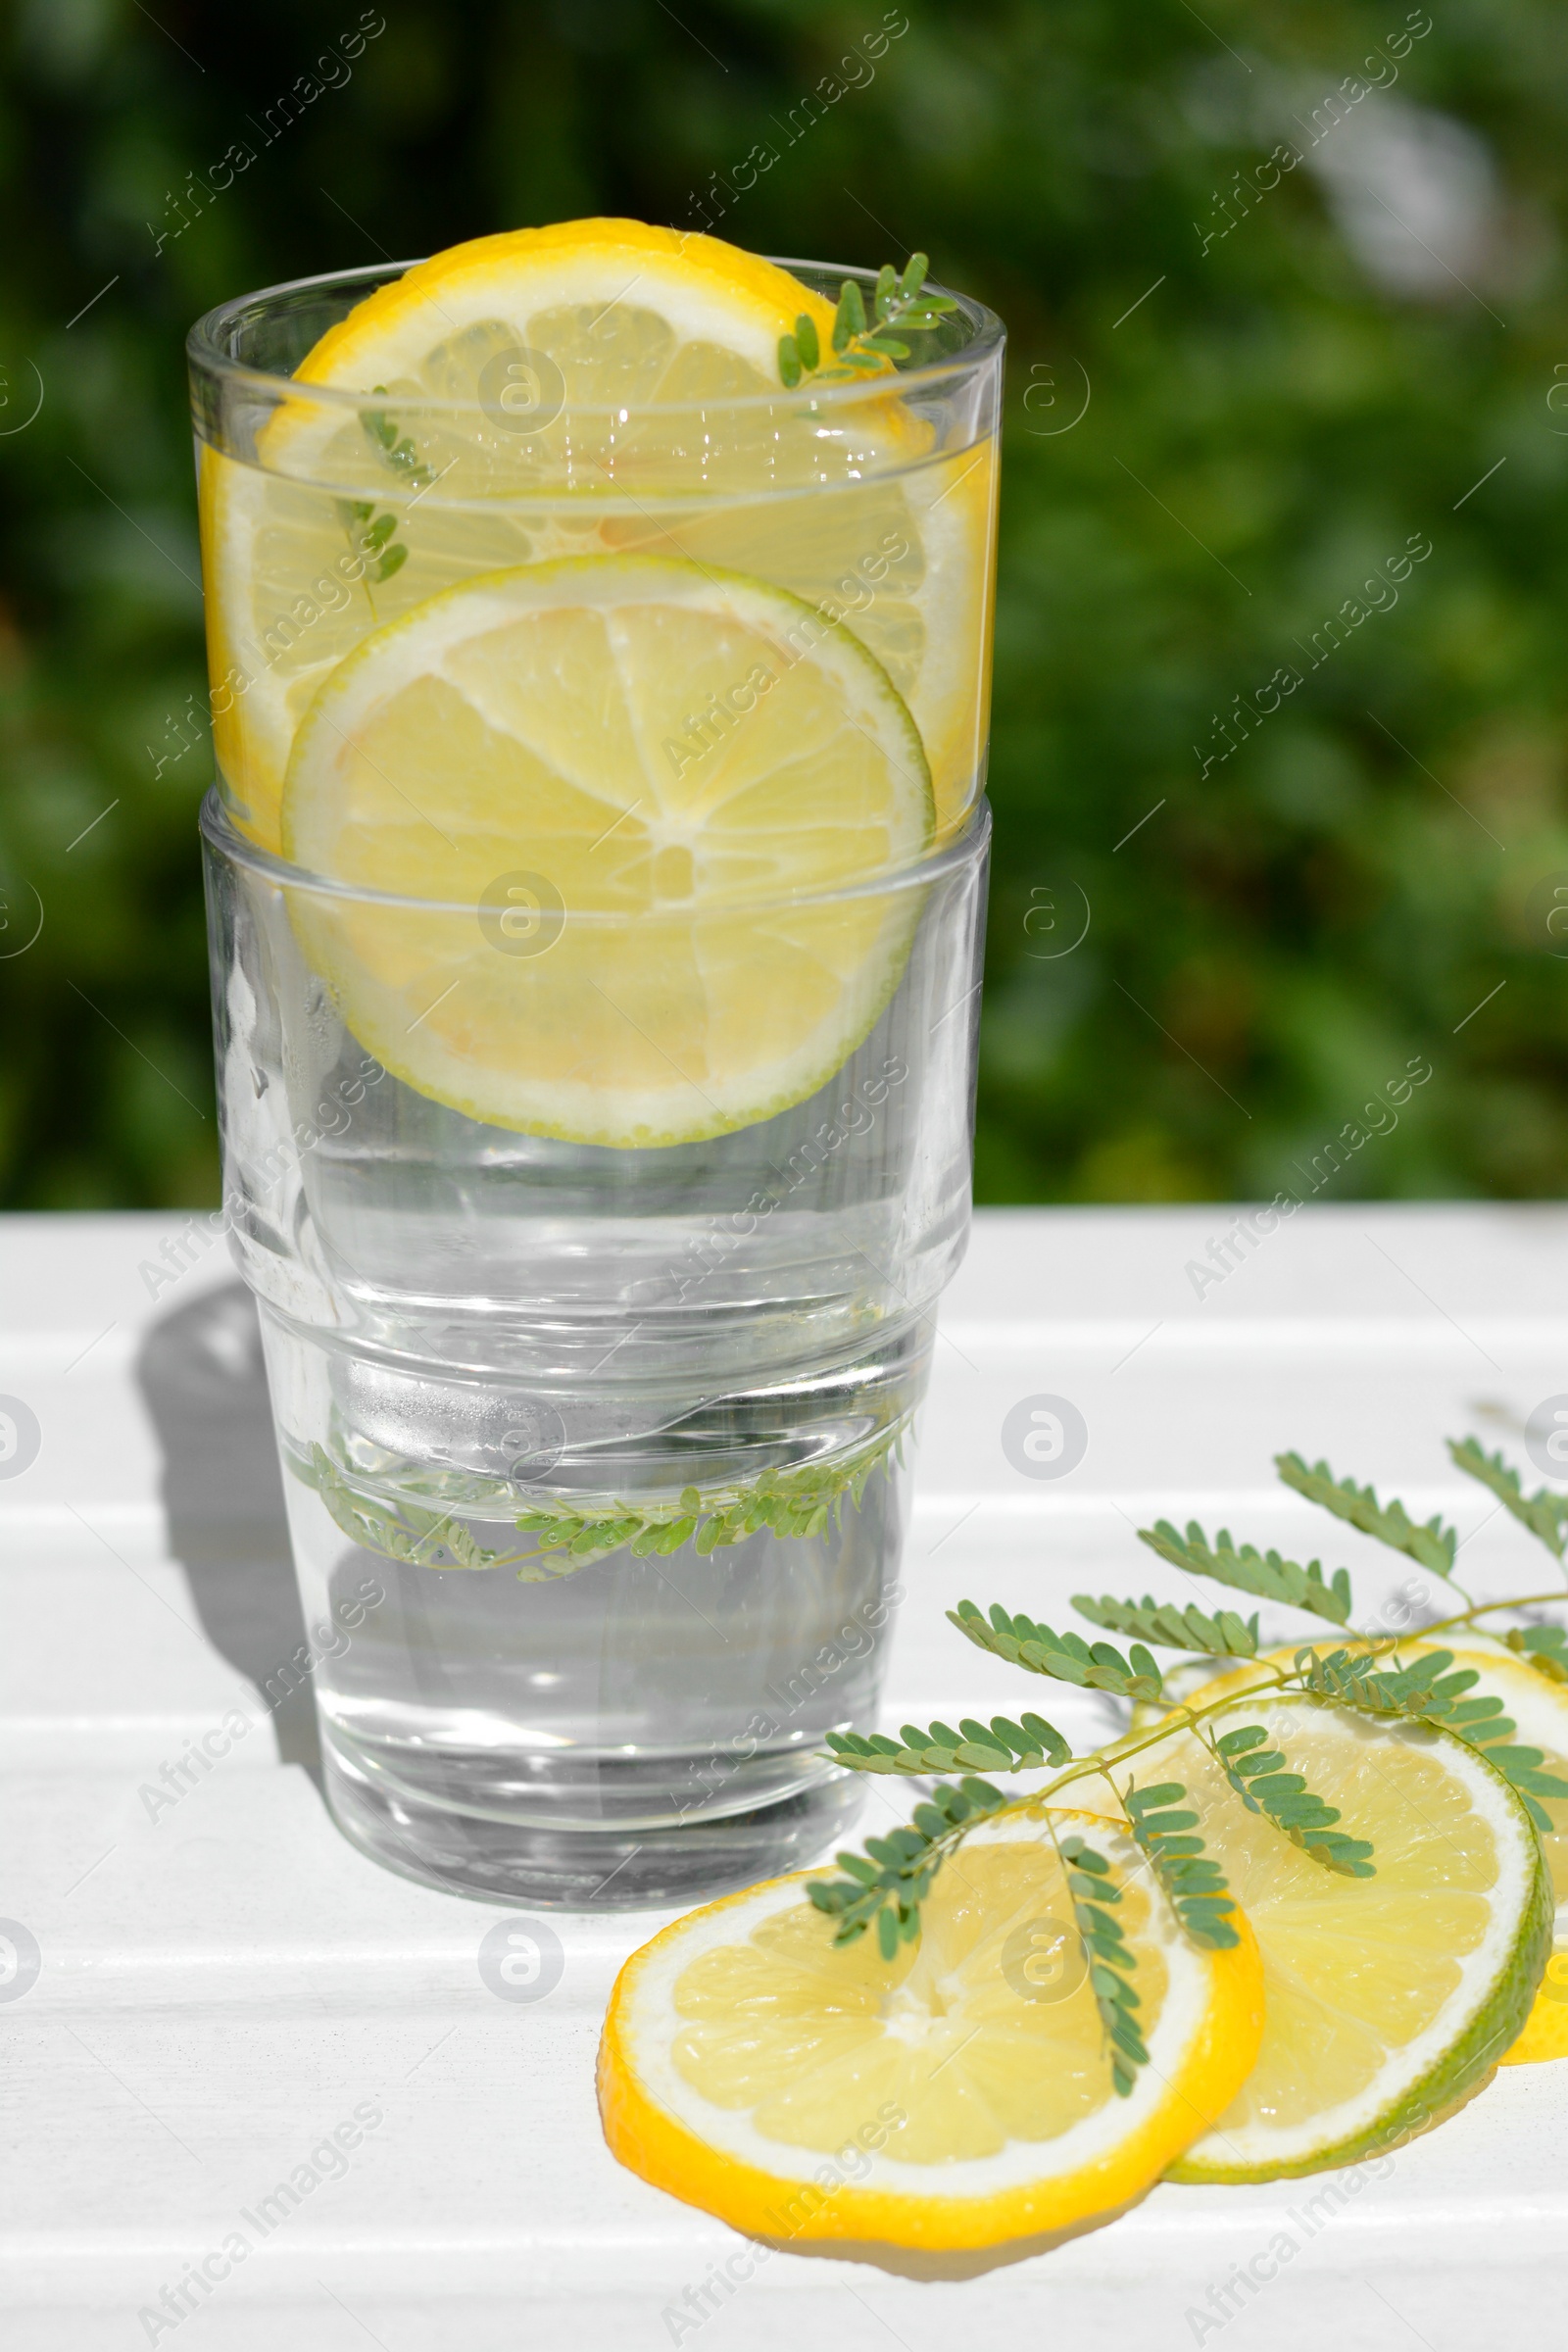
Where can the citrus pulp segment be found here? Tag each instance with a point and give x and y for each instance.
(904, 560)
(947, 2098)
(641, 314)
(1535, 1703)
(1390, 1999)
(673, 770)
(1538, 1707)
(634, 344)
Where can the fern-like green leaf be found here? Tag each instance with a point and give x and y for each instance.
(861, 344)
(1066, 1657)
(1222, 1635)
(418, 1537)
(1521, 1767)
(398, 450)
(892, 1878)
(1001, 1746)
(1193, 1884)
(1263, 1574)
(1091, 1888)
(798, 1503)
(1544, 1645)
(1430, 1547)
(1358, 1679)
(1545, 1512)
(1426, 1692)
(1263, 1780)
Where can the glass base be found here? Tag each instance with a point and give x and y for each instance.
(609, 1869)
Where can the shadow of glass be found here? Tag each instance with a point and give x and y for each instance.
(202, 1376)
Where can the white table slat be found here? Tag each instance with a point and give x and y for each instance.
(225, 1980)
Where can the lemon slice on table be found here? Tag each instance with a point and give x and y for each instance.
(1392, 1997)
(353, 517)
(627, 954)
(954, 2096)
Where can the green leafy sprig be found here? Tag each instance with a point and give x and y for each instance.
(1426, 1692)
(1222, 1635)
(1000, 1745)
(863, 346)
(419, 1537)
(787, 1503)
(1543, 1513)
(1544, 1645)
(1430, 1547)
(373, 536)
(1194, 1883)
(796, 1503)
(890, 1882)
(1091, 1888)
(1066, 1657)
(1263, 1780)
(395, 447)
(370, 538)
(893, 1879)
(1263, 1574)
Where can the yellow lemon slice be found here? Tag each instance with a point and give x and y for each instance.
(623, 949)
(1546, 2028)
(954, 2096)
(1392, 1997)
(594, 365)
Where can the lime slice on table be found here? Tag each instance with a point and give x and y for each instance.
(1392, 1997)
(342, 528)
(1538, 1707)
(630, 952)
(957, 2095)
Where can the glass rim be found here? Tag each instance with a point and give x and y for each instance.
(964, 848)
(204, 349)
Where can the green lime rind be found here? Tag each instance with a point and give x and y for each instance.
(1462, 2070)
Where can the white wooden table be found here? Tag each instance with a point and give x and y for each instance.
(222, 1982)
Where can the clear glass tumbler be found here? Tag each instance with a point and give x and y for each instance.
(594, 1450)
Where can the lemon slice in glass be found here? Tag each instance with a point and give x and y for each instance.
(629, 346)
(956, 2096)
(637, 931)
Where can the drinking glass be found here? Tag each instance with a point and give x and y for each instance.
(596, 1454)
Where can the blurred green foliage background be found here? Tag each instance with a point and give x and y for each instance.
(1285, 384)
